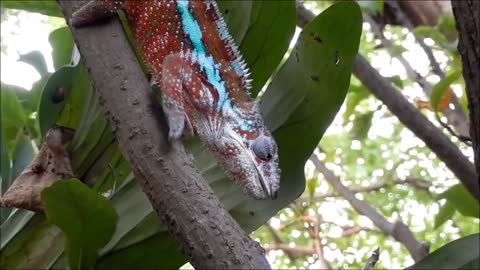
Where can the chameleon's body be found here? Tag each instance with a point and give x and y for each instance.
(204, 83)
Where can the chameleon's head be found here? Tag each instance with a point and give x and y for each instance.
(248, 152)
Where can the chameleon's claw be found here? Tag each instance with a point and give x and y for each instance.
(176, 126)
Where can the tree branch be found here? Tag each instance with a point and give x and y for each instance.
(468, 26)
(418, 124)
(455, 117)
(203, 230)
(372, 260)
(410, 117)
(399, 231)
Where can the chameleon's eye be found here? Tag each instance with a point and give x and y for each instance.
(264, 148)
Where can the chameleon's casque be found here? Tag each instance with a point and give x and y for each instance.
(204, 83)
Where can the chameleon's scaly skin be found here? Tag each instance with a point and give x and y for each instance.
(204, 83)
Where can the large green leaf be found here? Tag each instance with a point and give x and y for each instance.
(15, 222)
(87, 219)
(62, 44)
(53, 97)
(157, 252)
(463, 253)
(35, 246)
(271, 29)
(446, 212)
(5, 165)
(12, 115)
(46, 7)
(22, 155)
(236, 14)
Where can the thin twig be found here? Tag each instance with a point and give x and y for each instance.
(465, 139)
(372, 260)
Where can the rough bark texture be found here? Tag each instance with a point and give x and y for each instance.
(203, 230)
(410, 117)
(467, 17)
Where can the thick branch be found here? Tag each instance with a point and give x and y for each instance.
(468, 25)
(399, 231)
(410, 117)
(203, 230)
(446, 151)
(455, 117)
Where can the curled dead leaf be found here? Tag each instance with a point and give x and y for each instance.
(50, 165)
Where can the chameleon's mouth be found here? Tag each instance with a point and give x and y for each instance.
(261, 184)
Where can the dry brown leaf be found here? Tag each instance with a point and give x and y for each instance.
(50, 165)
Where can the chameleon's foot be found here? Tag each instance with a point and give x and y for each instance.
(175, 128)
(179, 128)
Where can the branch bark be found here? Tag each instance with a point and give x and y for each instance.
(468, 25)
(411, 14)
(445, 150)
(203, 230)
(399, 231)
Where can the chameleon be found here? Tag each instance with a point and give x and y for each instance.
(205, 83)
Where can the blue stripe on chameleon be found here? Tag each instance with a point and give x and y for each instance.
(207, 63)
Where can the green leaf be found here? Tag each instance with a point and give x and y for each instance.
(35, 59)
(22, 155)
(53, 97)
(430, 32)
(12, 115)
(13, 225)
(442, 87)
(396, 80)
(356, 94)
(87, 219)
(46, 7)
(62, 44)
(311, 186)
(446, 212)
(5, 165)
(237, 15)
(361, 126)
(462, 200)
(35, 246)
(446, 25)
(267, 39)
(463, 253)
(157, 252)
(75, 99)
